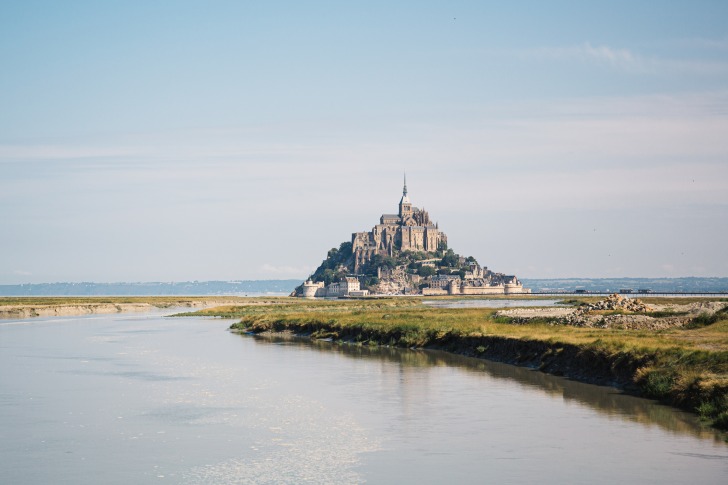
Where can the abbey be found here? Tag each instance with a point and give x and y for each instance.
(405, 254)
(409, 230)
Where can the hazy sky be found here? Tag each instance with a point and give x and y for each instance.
(183, 140)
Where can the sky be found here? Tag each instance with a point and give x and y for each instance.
(225, 140)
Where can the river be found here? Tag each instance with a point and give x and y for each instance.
(132, 398)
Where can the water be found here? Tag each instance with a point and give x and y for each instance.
(490, 303)
(143, 399)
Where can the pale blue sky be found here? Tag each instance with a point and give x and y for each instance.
(180, 140)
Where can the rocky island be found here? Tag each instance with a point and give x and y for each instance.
(405, 254)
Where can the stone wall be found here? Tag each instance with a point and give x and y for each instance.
(434, 292)
(312, 290)
(482, 290)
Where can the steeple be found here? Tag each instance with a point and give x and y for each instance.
(405, 206)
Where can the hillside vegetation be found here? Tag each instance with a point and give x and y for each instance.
(339, 263)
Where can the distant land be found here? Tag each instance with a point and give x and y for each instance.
(657, 285)
(185, 288)
(285, 287)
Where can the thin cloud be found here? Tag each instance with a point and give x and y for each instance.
(616, 57)
(60, 152)
(587, 52)
(627, 60)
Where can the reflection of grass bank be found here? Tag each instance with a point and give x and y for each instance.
(602, 399)
(687, 368)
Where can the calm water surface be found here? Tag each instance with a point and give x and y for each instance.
(146, 399)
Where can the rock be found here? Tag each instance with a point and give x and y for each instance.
(615, 302)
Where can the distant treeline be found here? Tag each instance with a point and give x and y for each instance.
(657, 285)
(187, 288)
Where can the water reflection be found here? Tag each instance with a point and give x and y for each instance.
(192, 403)
(606, 400)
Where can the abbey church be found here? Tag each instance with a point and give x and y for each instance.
(405, 254)
(409, 230)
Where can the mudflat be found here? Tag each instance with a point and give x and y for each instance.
(28, 307)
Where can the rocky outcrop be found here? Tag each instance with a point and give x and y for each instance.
(615, 302)
(395, 282)
(616, 311)
(589, 315)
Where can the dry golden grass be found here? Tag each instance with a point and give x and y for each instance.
(397, 312)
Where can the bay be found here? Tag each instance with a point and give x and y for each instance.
(135, 398)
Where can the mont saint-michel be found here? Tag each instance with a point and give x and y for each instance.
(405, 254)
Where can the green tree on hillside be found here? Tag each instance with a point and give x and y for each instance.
(426, 271)
(380, 261)
(337, 264)
(450, 259)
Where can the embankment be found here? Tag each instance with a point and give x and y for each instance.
(588, 363)
(23, 311)
(20, 308)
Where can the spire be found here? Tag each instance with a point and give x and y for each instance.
(404, 204)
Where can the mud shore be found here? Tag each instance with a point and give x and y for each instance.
(21, 309)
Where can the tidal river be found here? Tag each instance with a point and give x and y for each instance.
(121, 399)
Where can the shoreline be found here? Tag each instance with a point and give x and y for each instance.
(30, 307)
(586, 364)
(556, 359)
(682, 366)
(685, 366)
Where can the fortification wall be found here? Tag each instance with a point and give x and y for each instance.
(513, 289)
(434, 292)
(312, 290)
(482, 290)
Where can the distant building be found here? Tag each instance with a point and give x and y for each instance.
(442, 281)
(349, 286)
(311, 289)
(411, 229)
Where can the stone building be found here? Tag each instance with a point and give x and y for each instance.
(409, 230)
(442, 281)
(343, 287)
(313, 289)
(348, 286)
